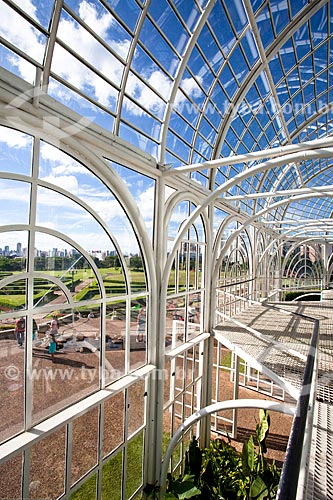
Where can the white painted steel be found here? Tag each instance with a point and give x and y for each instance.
(208, 410)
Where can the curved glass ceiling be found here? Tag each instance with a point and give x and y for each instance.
(190, 81)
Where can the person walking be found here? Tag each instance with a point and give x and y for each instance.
(53, 333)
(20, 331)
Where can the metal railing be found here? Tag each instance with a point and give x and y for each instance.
(209, 410)
(293, 476)
(300, 437)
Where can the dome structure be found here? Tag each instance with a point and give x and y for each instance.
(165, 166)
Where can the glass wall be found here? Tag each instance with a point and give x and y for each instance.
(74, 314)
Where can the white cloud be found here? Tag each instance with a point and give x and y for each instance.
(18, 191)
(20, 33)
(145, 96)
(68, 182)
(13, 138)
(94, 52)
(61, 164)
(100, 24)
(28, 7)
(145, 203)
(191, 88)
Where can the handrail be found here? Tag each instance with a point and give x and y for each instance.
(295, 450)
(208, 410)
(235, 283)
(292, 464)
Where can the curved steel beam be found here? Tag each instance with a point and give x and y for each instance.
(208, 410)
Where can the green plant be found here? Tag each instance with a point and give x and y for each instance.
(219, 472)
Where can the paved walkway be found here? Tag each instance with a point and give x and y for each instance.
(277, 343)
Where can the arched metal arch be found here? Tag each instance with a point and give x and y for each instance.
(306, 13)
(166, 121)
(89, 158)
(80, 202)
(225, 186)
(283, 237)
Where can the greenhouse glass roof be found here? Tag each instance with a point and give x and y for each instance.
(191, 81)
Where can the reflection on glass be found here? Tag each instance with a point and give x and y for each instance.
(47, 468)
(115, 340)
(138, 334)
(12, 352)
(113, 429)
(46, 291)
(56, 258)
(84, 444)
(65, 365)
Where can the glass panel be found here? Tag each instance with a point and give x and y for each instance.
(42, 16)
(134, 464)
(14, 202)
(173, 274)
(12, 376)
(194, 312)
(21, 33)
(45, 291)
(112, 478)
(84, 444)
(142, 189)
(115, 341)
(10, 478)
(87, 491)
(17, 65)
(73, 220)
(112, 273)
(135, 407)
(92, 51)
(113, 430)
(159, 48)
(58, 259)
(171, 312)
(138, 335)
(47, 469)
(13, 296)
(65, 362)
(88, 111)
(178, 326)
(137, 273)
(84, 79)
(16, 151)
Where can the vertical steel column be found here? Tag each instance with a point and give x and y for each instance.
(235, 396)
(208, 322)
(154, 435)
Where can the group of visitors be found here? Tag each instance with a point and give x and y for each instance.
(20, 329)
